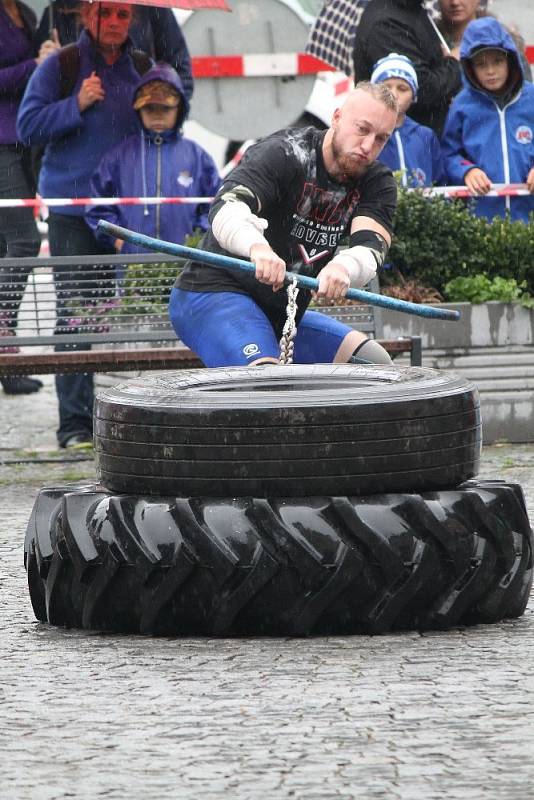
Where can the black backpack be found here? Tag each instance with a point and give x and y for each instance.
(69, 67)
(69, 70)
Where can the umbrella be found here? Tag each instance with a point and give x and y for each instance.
(186, 5)
(333, 34)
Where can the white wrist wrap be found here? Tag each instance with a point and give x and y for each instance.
(359, 262)
(236, 228)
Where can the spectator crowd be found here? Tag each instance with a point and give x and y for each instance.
(94, 97)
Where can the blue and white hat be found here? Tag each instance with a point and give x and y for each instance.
(396, 66)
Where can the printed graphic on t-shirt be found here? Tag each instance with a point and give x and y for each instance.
(320, 220)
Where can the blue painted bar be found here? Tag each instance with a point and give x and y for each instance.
(228, 262)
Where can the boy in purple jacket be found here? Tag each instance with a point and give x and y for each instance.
(156, 162)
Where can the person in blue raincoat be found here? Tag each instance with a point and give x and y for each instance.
(414, 149)
(489, 132)
(158, 161)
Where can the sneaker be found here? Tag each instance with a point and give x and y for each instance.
(20, 384)
(78, 441)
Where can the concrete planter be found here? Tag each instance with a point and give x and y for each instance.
(490, 324)
(493, 345)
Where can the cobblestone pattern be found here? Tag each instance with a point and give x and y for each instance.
(400, 717)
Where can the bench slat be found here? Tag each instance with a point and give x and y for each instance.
(121, 360)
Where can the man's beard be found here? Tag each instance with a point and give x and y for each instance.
(348, 167)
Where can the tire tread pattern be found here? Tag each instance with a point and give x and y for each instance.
(279, 566)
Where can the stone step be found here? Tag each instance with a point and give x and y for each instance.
(504, 387)
(498, 377)
(477, 372)
(490, 360)
(504, 377)
(507, 418)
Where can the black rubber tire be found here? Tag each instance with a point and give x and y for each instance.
(46, 560)
(251, 566)
(299, 430)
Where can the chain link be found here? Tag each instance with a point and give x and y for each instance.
(290, 329)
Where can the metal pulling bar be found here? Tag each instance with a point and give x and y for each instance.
(303, 281)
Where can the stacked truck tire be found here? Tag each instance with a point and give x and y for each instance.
(275, 501)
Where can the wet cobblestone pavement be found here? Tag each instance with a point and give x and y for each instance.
(84, 715)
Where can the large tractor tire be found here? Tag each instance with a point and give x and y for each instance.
(284, 431)
(283, 566)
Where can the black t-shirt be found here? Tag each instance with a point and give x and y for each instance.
(307, 210)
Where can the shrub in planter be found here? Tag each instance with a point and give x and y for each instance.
(481, 289)
(147, 287)
(510, 250)
(437, 240)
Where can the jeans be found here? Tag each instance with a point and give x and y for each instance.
(19, 237)
(69, 235)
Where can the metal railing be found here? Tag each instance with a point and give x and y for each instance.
(90, 299)
(117, 303)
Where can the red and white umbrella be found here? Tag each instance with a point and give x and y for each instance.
(186, 5)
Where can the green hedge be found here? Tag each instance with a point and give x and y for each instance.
(437, 240)
(438, 243)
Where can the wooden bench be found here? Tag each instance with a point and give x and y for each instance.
(114, 317)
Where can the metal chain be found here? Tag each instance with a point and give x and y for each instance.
(290, 329)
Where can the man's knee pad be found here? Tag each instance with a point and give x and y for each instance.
(370, 352)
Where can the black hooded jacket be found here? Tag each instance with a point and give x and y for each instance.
(403, 26)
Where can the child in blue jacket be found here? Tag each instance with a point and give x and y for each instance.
(414, 149)
(489, 133)
(156, 162)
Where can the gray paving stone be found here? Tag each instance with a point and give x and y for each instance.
(396, 717)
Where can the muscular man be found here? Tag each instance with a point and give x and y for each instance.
(289, 202)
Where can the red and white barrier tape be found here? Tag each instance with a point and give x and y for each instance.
(234, 161)
(50, 202)
(258, 65)
(498, 190)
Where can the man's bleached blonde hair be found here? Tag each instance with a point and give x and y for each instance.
(381, 93)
